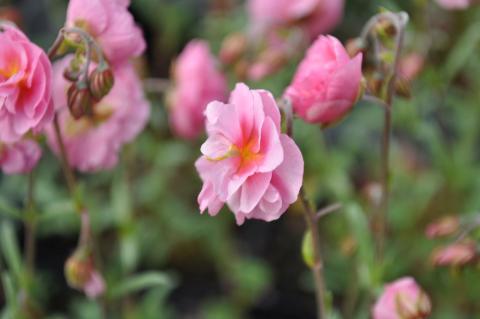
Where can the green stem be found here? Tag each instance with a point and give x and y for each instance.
(317, 268)
(30, 227)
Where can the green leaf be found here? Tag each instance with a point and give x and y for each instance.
(463, 51)
(308, 250)
(8, 211)
(141, 281)
(10, 295)
(10, 250)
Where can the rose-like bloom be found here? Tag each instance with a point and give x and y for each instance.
(247, 162)
(402, 299)
(313, 16)
(327, 82)
(197, 82)
(110, 23)
(25, 85)
(20, 157)
(93, 143)
(445, 226)
(455, 254)
(454, 4)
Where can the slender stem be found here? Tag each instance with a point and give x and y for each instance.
(375, 100)
(399, 21)
(327, 210)
(317, 269)
(52, 52)
(30, 226)
(67, 171)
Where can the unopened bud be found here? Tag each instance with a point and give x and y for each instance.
(233, 47)
(81, 274)
(458, 254)
(403, 87)
(78, 269)
(385, 27)
(80, 101)
(101, 82)
(71, 75)
(445, 226)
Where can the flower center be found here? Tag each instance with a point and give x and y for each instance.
(10, 70)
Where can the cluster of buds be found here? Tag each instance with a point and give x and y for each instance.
(462, 251)
(88, 87)
(81, 273)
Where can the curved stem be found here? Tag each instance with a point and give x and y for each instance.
(317, 269)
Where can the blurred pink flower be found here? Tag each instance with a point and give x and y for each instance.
(411, 65)
(110, 23)
(402, 299)
(313, 16)
(25, 85)
(247, 162)
(20, 157)
(327, 83)
(455, 254)
(93, 143)
(445, 226)
(197, 82)
(454, 4)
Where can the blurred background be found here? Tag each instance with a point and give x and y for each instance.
(162, 260)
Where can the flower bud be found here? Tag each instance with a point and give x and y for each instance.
(80, 101)
(402, 299)
(81, 274)
(445, 226)
(233, 47)
(78, 269)
(71, 75)
(101, 82)
(458, 254)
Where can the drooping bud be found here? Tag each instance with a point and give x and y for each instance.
(101, 82)
(445, 226)
(79, 99)
(233, 47)
(71, 75)
(458, 254)
(81, 274)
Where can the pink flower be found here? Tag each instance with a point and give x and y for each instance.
(454, 4)
(327, 83)
(247, 162)
(313, 16)
(455, 254)
(20, 157)
(111, 24)
(402, 299)
(93, 143)
(25, 85)
(197, 82)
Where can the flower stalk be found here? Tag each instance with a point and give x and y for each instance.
(398, 21)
